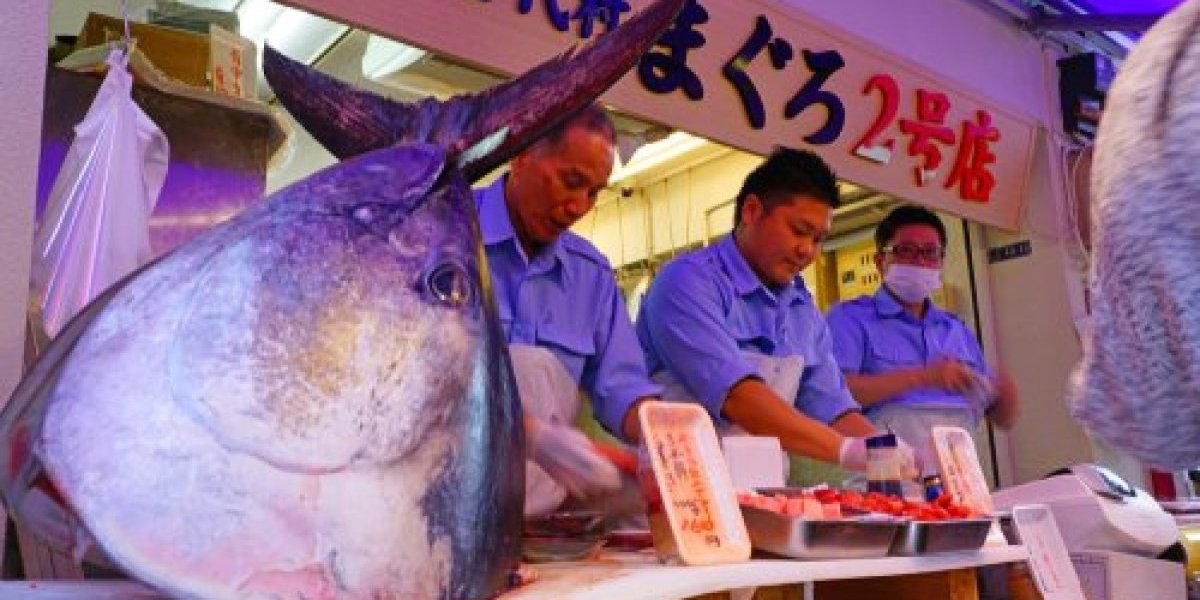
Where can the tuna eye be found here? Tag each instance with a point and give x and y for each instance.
(449, 284)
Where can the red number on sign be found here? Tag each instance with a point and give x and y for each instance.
(867, 147)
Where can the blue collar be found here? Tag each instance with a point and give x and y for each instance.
(496, 226)
(494, 222)
(886, 305)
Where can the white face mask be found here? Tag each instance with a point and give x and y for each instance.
(910, 283)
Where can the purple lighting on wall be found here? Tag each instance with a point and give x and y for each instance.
(1128, 7)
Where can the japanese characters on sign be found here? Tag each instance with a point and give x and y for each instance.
(756, 74)
(686, 487)
(587, 13)
(665, 70)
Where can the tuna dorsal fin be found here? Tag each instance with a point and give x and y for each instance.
(349, 121)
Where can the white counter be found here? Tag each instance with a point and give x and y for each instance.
(626, 576)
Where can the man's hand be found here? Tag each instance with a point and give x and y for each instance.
(1005, 409)
(571, 459)
(853, 454)
(949, 374)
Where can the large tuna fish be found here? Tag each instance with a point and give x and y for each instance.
(1138, 386)
(313, 400)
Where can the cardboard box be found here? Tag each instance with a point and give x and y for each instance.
(182, 55)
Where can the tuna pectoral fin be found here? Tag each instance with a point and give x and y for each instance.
(348, 121)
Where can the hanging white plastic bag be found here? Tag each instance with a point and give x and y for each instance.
(95, 228)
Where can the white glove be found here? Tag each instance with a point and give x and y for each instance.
(910, 462)
(570, 458)
(853, 454)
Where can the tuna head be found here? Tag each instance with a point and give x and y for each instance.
(311, 401)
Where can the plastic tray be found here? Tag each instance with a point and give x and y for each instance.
(962, 476)
(690, 501)
(797, 537)
(927, 537)
(567, 524)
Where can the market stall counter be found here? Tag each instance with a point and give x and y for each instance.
(623, 575)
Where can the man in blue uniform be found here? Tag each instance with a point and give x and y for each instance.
(911, 365)
(559, 306)
(733, 327)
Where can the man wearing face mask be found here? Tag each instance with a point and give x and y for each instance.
(909, 364)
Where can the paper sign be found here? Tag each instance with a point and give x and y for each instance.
(692, 509)
(755, 461)
(1048, 559)
(962, 477)
(233, 63)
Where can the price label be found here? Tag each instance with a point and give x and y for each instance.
(1048, 559)
(686, 487)
(693, 511)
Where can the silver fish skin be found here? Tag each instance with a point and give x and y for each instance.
(317, 389)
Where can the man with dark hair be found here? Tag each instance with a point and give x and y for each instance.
(909, 364)
(732, 326)
(563, 316)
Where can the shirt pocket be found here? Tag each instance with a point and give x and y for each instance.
(750, 336)
(887, 351)
(957, 343)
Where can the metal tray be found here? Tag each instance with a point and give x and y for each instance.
(798, 537)
(927, 537)
(550, 549)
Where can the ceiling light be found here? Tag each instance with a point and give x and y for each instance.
(656, 154)
(298, 35)
(226, 5)
(385, 57)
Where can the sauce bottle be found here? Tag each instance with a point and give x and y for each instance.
(884, 465)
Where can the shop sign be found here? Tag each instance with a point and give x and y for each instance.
(1010, 251)
(755, 75)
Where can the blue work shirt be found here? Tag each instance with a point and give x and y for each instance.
(706, 308)
(874, 334)
(565, 300)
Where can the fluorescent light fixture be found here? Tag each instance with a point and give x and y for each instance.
(656, 154)
(295, 33)
(213, 4)
(385, 57)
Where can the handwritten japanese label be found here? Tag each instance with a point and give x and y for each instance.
(228, 53)
(685, 484)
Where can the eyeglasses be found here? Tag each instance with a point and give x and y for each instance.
(914, 252)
